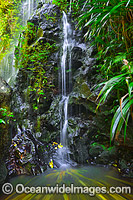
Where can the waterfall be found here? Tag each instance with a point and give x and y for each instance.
(63, 129)
(66, 57)
(65, 89)
(7, 70)
(27, 9)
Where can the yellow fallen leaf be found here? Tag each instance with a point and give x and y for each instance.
(54, 143)
(60, 145)
(51, 163)
(115, 165)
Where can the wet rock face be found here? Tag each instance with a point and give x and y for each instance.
(102, 155)
(3, 172)
(42, 119)
(45, 27)
(44, 123)
(5, 91)
(77, 54)
(46, 23)
(5, 98)
(26, 155)
(5, 139)
(48, 18)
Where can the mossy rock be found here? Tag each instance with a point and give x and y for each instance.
(85, 90)
(104, 157)
(39, 33)
(5, 91)
(3, 172)
(5, 98)
(81, 87)
(112, 151)
(96, 150)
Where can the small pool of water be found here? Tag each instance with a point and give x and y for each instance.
(87, 179)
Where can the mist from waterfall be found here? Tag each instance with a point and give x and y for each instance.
(7, 70)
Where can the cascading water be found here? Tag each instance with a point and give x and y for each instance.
(65, 89)
(27, 9)
(7, 70)
(63, 137)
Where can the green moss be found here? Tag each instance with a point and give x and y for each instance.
(85, 90)
(49, 17)
(38, 124)
(28, 168)
(33, 57)
(39, 33)
(4, 130)
(82, 88)
(63, 4)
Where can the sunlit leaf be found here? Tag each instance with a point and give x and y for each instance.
(2, 121)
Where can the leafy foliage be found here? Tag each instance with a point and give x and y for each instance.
(5, 116)
(109, 25)
(121, 115)
(32, 56)
(123, 82)
(61, 3)
(8, 24)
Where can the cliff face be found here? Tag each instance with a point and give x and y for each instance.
(37, 97)
(45, 27)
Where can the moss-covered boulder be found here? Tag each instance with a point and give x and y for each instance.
(95, 150)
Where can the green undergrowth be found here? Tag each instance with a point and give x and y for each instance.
(62, 4)
(32, 56)
(108, 25)
(6, 116)
(9, 25)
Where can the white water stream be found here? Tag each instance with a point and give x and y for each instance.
(65, 75)
(65, 81)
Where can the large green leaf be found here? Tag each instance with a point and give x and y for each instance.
(119, 118)
(125, 129)
(108, 85)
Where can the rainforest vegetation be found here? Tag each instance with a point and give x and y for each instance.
(108, 25)
(67, 102)
(9, 26)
